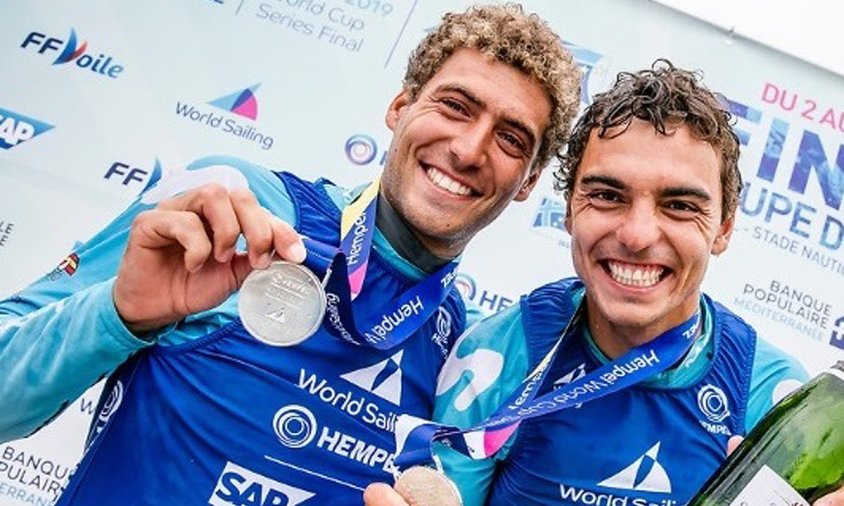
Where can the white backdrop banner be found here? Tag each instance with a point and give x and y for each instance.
(100, 100)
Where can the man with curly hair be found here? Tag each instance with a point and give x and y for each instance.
(652, 186)
(198, 410)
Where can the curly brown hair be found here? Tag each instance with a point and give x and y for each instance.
(666, 97)
(523, 41)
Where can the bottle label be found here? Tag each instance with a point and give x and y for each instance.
(767, 488)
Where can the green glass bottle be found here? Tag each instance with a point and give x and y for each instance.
(792, 457)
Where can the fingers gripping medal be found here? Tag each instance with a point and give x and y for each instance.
(425, 486)
(282, 305)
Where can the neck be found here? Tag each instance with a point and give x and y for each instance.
(404, 241)
(616, 340)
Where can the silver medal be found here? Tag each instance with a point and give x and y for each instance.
(281, 305)
(424, 486)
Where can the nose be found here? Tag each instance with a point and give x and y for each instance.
(639, 228)
(469, 146)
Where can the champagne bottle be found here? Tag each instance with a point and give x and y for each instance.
(793, 456)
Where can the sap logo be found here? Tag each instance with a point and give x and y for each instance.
(242, 487)
(383, 379)
(295, 426)
(16, 128)
(73, 51)
(837, 337)
(128, 174)
(361, 149)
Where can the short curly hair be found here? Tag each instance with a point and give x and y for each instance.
(666, 97)
(523, 41)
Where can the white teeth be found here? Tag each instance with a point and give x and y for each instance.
(446, 183)
(637, 276)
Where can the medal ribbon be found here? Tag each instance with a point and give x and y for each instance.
(415, 436)
(344, 269)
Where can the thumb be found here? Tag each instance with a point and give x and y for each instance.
(733, 443)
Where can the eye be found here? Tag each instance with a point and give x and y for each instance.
(513, 143)
(681, 206)
(605, 196)
(454, 105)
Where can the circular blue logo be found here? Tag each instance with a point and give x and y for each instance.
(295, 426)
(361, 149)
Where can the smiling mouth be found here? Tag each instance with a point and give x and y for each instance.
(638, 276)
(442, 180)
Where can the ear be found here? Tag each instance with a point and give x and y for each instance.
(396, 109)
(567, 221)
(722, 240)
(527, 186)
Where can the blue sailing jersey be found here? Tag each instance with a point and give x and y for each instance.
(210, 415)
(652, 444)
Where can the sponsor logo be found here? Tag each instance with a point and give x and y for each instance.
(383, 379)
(6, 228)
(550, 221)
(242, 103)
(295, 426)
(466, 286)
(575, 374)
(837, 337)
(593, 67)
(485, 299)
(713, 403)
(68, 266)
(472, 372)
(16, 128)
(643, 474)
(443, 330)
(799, 309)
(361, 149)
(356, 406)
(129, 175)
(108, 409)
(240, 486)
(73, 51)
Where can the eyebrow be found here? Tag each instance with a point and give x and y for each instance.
(673, 191)
(509, 120)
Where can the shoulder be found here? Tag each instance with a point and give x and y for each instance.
(775, 374)
(486, 363)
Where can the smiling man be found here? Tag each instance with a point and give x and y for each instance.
(198, 409)
(652, 185)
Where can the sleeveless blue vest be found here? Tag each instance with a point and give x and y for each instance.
(227, 420)
(641, 446)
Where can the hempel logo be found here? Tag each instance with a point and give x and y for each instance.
(296, 428)
(713, 403)
(16, 128)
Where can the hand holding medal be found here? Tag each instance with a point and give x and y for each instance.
(180, 258)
